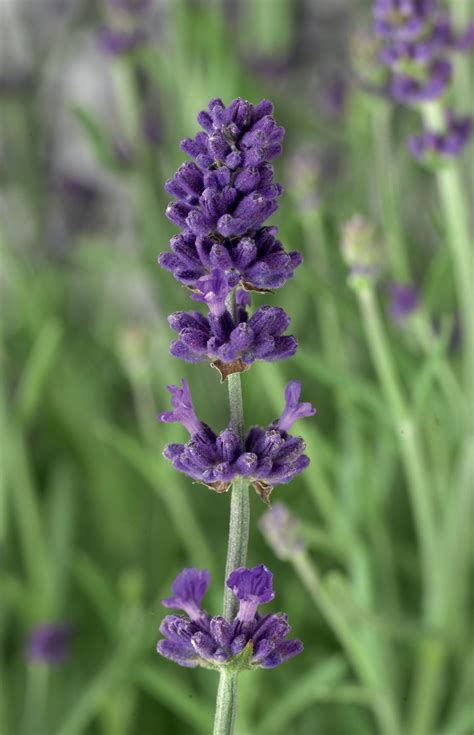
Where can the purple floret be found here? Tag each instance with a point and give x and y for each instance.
(268, 457)
(49, 643)
(232, 346)
(249, 641)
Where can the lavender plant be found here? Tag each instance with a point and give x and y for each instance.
(225, 252)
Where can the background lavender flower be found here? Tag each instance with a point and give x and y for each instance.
(49, 643)
(268, 457)
(433, 146)
(250, 640)
(417, 40)
(282, 531)
(361, 250)
(404, 299)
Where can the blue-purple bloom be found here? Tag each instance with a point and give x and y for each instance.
(404, 300)
(224, 198)
(437, 145)
(49, 643)
(119, 41)
(417, 41)
(282, 531)
(229, 345)
(251, 640)
(268, 457)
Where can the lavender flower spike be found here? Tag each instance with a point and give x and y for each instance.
(248, 641)
(224, 198)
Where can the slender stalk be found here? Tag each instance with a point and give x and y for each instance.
(226, 704)
(453, 202)
(407, 434)
(356, 651)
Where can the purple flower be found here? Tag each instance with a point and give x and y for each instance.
(253, 587)
(294, 410)
(115, 42)
(267, 458)
(231, 346)
(404, 300)
(189, 588)
(224, 197)
(183, 409)
(281, 530)
(249, 641)
(417, 41)
(49, 643)
(259, 262)
(448, 143)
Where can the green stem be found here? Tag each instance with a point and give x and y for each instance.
(452, 197)
(352, 643)
(226, 704)
(399, 263)
(407, 434)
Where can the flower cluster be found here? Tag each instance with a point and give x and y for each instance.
(223, 198)
(249, 641)
(437, 145)
(268, 457)
(417, 39)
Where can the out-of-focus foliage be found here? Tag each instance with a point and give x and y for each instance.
(94, 523)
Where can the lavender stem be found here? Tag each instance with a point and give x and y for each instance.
(226, 704)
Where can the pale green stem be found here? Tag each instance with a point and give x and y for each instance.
(397, 255)
(407, 434)
(226, 704)
(453, 201)
(35, 699)
(352, 644)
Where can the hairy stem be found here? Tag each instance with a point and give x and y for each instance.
(226, 704)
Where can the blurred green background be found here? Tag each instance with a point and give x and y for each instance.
(94, 523)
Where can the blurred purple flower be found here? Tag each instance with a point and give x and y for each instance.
(49, 643)
(116, 42)
(281, 530)
(404, 300)
(448, 143)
